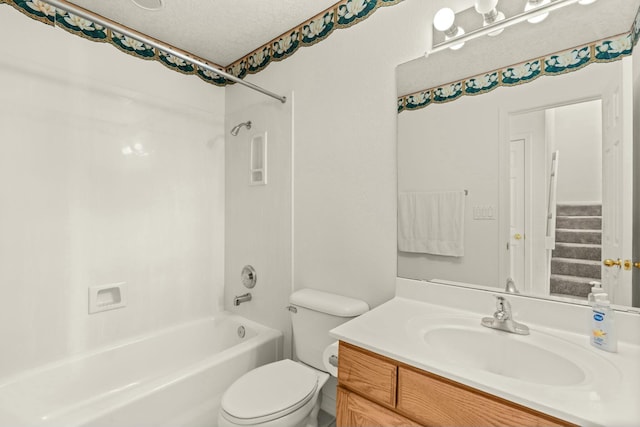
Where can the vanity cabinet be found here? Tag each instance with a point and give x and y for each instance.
(355, 411)
(374, 390)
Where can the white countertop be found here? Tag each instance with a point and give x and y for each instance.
(601, 400)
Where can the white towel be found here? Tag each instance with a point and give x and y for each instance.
(431, 223)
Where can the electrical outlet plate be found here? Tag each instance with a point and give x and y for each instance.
(484, 212)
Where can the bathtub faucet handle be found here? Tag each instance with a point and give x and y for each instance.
(241, 298)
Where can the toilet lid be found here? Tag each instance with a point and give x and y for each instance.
(270, 391)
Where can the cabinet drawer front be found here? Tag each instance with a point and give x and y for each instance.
(367, 374)
(356, 411)
(435, 401)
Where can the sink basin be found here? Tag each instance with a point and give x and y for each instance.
(539, 358)
(494, 352)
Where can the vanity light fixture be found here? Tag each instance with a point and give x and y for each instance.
(444, 20)
(534, 4)
(490, 15)
(541, 8)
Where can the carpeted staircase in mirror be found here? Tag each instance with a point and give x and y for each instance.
(576, 259)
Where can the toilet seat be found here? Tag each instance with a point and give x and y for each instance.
(269, 392)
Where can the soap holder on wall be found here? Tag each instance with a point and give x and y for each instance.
(258, 166)
(106, 297)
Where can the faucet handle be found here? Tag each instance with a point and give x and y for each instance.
(503, 309)
(502, 319)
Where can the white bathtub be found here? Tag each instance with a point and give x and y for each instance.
(174, 377)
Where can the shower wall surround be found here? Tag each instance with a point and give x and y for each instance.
(105, 176)
(343, 198)
(259, 218)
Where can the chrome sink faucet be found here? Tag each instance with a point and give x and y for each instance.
(503, 319)
(511, 286)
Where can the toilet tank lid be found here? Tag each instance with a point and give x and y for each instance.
(325, 302)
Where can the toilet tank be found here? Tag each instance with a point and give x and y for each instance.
(315, 314)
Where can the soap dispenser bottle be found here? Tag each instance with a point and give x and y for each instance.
(596, 289)
(603, 334)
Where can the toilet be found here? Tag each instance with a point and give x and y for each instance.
(288, 393)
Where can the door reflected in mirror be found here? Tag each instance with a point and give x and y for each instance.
(567, 213)
(557, 158)
(555, 198)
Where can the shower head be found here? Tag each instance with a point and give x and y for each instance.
(236, 128)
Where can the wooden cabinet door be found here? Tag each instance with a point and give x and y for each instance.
(371, 375)
(356, 411)
(437, 401)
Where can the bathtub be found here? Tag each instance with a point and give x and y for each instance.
(174, 377)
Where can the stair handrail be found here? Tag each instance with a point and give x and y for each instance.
(550, 240)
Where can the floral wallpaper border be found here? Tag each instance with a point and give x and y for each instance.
(343, 14)
(606, 50)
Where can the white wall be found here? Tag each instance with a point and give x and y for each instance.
(80, 207)
(453, 146)
(578, 136)
(344, 198)
(465, 135)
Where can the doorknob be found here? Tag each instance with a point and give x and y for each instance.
(517, 236)
(628, 264)
(610, 263)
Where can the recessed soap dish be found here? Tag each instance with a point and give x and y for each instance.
(107, 297)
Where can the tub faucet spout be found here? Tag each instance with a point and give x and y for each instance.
(241, 298)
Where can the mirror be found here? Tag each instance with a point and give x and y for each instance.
(547, 168)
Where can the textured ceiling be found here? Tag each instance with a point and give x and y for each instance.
(220, 31)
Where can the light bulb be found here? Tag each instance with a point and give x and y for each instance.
(533, 4)
(490, 15)
(485, 6)
(498, 17)
(443, 19)
(459, 33)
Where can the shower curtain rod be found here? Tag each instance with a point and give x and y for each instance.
(114, 26)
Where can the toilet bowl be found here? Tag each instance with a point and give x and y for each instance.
(288, 393)
(279, 394)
